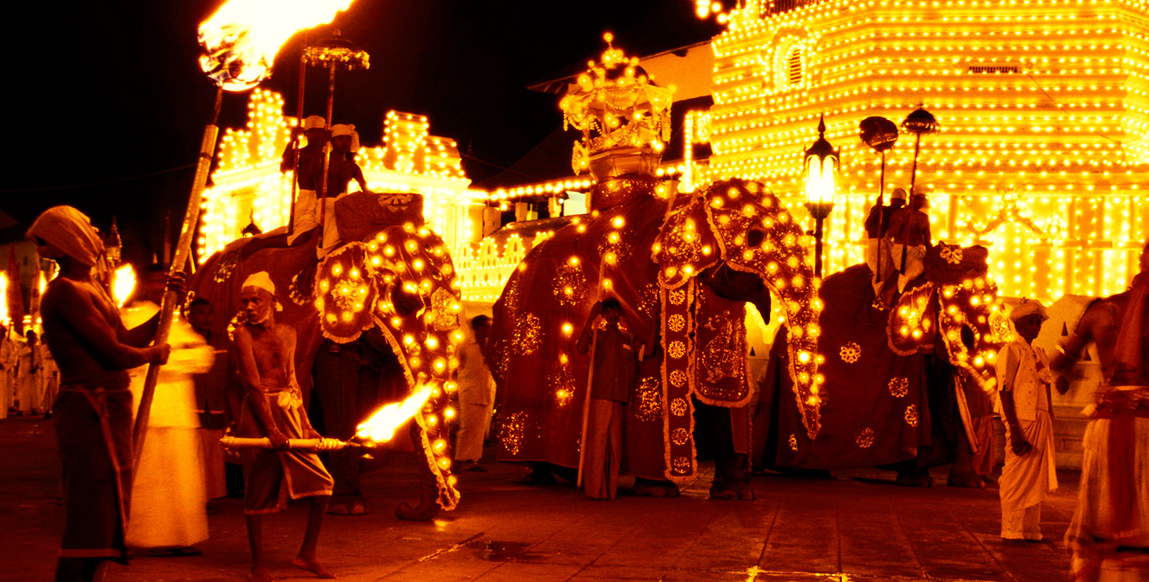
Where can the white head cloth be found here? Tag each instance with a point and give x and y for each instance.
(1028, 307)
(71, 232)
(260, 280)
(342, 129)
(314, 122)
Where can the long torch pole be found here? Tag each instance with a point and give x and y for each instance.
(295, 147)
(879, 275)
(183, 251)
(326, 153)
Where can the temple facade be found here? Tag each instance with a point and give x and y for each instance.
(1041, 154)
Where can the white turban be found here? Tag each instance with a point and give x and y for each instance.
(71, 232)
(260, 280)
(314, 122)
(1028, 307)
(342, 129)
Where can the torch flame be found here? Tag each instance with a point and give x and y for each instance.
(4, 298)
(123, 283)
(241, 39)
(381, 426)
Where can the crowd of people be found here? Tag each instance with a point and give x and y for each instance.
(29, 378)
(103, 350)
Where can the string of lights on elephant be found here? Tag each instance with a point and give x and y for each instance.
(402, 280)
(744, 225)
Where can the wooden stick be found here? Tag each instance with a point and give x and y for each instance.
(293, 444)
(299, 116)
(183, 251)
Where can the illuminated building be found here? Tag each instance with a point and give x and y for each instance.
(1042, 105)
(247, 186)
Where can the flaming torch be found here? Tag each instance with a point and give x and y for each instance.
(381, 426)
(239, 43)
(4, 299)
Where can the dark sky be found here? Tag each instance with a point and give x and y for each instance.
(105, 103)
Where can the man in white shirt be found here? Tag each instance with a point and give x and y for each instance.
(476, 397)
(1030, 471)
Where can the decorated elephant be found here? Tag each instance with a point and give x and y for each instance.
(683, 268)
(377, 321)
(900, 382)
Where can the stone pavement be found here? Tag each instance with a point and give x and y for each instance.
(857, 527)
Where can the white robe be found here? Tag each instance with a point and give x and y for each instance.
(169, 498)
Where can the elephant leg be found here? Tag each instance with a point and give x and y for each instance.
(655, 488)
(715, 431)
(336, 377)
(428, 506)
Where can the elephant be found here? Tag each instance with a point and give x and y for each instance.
(377, 319)
(897, 379)
(683, 267)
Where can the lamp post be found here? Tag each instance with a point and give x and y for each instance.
(821, 166)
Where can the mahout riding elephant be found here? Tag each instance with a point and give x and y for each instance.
(898, 378)
(683, 267)
(376, 320)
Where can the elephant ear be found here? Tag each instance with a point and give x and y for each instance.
(345, 293)
(974, 326)
(686, 243)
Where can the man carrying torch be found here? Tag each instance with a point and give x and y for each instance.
(93, 414)
(273, 408)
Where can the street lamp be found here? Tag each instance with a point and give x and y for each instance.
(821, 166)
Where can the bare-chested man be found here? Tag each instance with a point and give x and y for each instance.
(309, 172)
(1109, 534)
(93, 414)
(273, 408)
(909, 234)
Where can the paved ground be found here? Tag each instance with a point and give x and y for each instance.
(857, 527)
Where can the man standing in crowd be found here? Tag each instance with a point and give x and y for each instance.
(614, 372)
(476, 397)
(1109, 533)
(1030, 471)
(93, 414)
(8, 359)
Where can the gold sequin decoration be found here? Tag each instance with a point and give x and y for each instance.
(678, 378)
(444, 315)
(911, 415)
(679, 436)
(681, 465)
(793, 442)
(562, 384)
(676, 323)
(676, 349)
(528, 334)
(865, 438)
(850, 352)
(648, 303)
(899, 387)
(648, 398)
(513, 431)
(678, 407)
(722, 355)
(677, 297)
(569, 286)
(225, 267)
(511, 296)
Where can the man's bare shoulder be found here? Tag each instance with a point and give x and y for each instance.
(64, 292)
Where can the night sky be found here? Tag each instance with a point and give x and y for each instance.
(105, 102)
